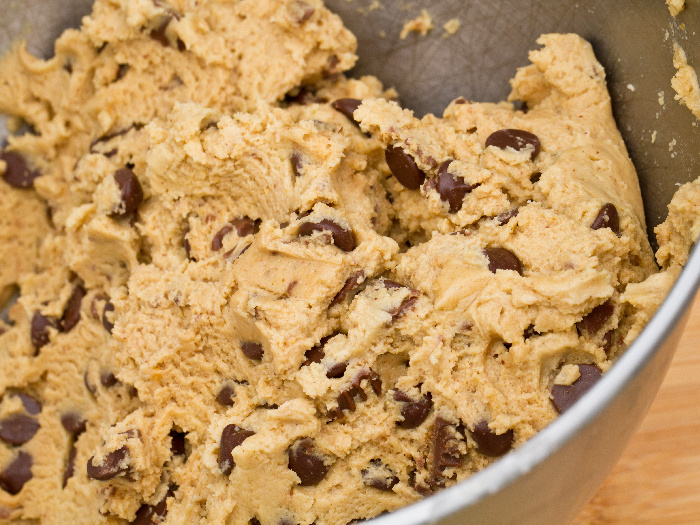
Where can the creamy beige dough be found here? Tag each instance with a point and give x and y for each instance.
(236, 307)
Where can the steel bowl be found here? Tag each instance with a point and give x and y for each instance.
(552, 476)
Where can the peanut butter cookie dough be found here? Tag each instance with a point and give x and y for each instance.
(251, 290)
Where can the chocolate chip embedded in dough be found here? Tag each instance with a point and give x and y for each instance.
(346, 399)
(337, 370)
(231, 437)
(108, 379)
(517, 139)
(404, 168)
(301, 11)
(153, 514)
(177, 443)
(379, 476)
(608, 341)
(246, 226)
(106, 314)
(31, 405)
(17, 174)
(252, 350)
(218, 241)
(297, 163)
(70, 464)
(607, 218)
(131, 193)
(502, 259)
(452, 188)
(506, 216)
(17, 473)
(39, 330)
(226, 396)
(564, 396)
(347, 107)
(405, 305)
(254, 521)
(88, 384)
(488, 442)
(596, 318)
(71, 313)
(445, 451)
(159, 33)
(313, 355)
(342, 238)
(351, 284)
(529, 332)
(73, 423)
(114, 464)
(414, 413)
(535, 177)
(17, 429)
(306, 463)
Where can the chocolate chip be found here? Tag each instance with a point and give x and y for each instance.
(608, 341)
(115, 463)
(70, 464)
(491, 444)
(152, 514)
(535, 177)
(506, 216)
(231, 437)
(351, 284)
(254, 521)
(226, 396)
(347, 107)
(158, 34)
(17, 473)
(17, 429)
(337, 370)
(252, 350)
(405, 305)
(73, 423)
(108, 309)
(17, 173)
(342, 238)
(597, 317)
(529, 332)
(31, 405)
(517, 139)
(88, 384)
(246, 226)
(607, 218)
(306, 463)
(564, 396)
(218, 242)
(452, 188)
(187, 246)
(413, 412)
(445, 451)
(404, 168)
(71, 313)
(379, 476)
(502, 259)
(131, 193)
(122, 71)
(301, 11)
(39, 330)
(346, 399)
(297, 163)
(108, 379)
(177, 443)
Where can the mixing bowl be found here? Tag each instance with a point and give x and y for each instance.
(551, 477)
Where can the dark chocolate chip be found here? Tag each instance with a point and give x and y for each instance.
(502, 259)
(218, 242)
(108, 309)
(88, 384)
(491, 444)
(346, 399)
(70, 464)
(517, 139)
(405, 305)
(71, 313)
(342, 238)
(31, 405)
(17, 473)
(452, 188)
(177, 443)
(254, 521)
(404, 168)
(347, 107)
(73, 423)
(529, 332)
(115, 463)
(226, 396)
(535, 177)
(414, 413)
(252, 350)
(39, 330)
(122, 71)
(386, 479)
(597, 317)
(17, 173)
(607, 218)
(231, 437)
(108, 379)
(158, 34)
(608, 340)
(17, 429)
(506, 216)
(301, 11)
(306, 463)
(246, 226)
(337, 370)
(445, 451)
(564, 396)
(297, 164)
(351, 284)
(314, 355)
(153, 514)
(131, 193)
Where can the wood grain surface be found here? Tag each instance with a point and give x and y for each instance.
(657, 481)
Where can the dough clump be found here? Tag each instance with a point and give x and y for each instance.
(244, 288)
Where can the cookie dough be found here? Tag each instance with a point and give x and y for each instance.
(251, 290)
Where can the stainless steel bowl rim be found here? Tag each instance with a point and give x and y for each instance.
(526, 457)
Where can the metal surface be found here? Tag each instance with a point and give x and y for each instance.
(553, 475)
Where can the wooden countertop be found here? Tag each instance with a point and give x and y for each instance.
(657, 480)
